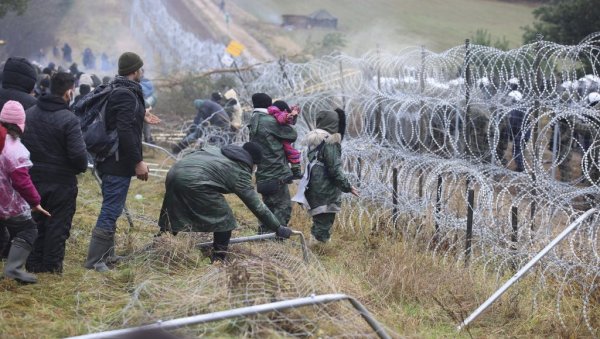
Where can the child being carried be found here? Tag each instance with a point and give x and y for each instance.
(287, 116)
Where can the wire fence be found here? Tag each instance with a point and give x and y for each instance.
(481, 155)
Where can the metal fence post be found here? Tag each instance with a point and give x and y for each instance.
(395, 197)
(469, 237)
(438, 202)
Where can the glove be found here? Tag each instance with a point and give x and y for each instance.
(284, 232)
(296, 171)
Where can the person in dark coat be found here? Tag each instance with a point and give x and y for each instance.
(18, 80)
(89, 59)
(125, 112)
(210, 113)
(83, 91)
(67, 53)
(195, 185)
(74, 69)
(53, 137)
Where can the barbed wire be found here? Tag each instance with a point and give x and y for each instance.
(510, 134)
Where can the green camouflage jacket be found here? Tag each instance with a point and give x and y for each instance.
(265, 131)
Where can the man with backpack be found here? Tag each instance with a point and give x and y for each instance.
(124, 113)
(53, 137)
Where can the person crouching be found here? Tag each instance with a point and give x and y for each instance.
(194, 200)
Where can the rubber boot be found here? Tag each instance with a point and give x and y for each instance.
(113, 259)
(100, 245)
(17, 256)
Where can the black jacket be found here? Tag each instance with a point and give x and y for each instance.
(121, 114)
(18, 80)
(53, 137)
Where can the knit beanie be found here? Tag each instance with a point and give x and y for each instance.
(129, 62)
(261, 100)
(254, 150)
(19, 74)
(282, 105)
(13, 113)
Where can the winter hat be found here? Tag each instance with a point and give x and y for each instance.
(282, 105)
(13, 113)
(261, 100)
(129, 62)
(19, 74)
(198, 103)
(84, 89)
(216, 96)
(254, 150)
(328, 121)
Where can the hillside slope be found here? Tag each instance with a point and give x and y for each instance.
(393, 25)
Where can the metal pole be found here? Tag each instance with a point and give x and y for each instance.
(525, 268)
(395, 197)
(342, 85)
(555, 137)
(378, 114)
(261, 237)
(514, 213)
(469, 238)
(242, 312)
(359, 170)
(438, 202)
(514, 236)
(169, 154)
(467, 94)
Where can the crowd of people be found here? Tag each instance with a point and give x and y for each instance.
(44, 145)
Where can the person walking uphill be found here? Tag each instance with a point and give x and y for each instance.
(195, 185)
(324, 178)
(18, 196)
(54, 139)
(273, 173)
(125, 112)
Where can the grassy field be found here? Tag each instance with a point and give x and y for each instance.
(393, 24)
(412, 292)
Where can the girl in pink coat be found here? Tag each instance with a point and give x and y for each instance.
(18, 196)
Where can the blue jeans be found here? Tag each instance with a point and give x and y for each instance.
(114, 194)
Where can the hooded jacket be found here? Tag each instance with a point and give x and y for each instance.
(327, 178)
(53, 137)
(122, 115)
(195, 186)
(265, 131)
(18, 80)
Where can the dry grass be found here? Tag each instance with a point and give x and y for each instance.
(412, 292)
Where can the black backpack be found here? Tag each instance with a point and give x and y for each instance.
(91, 110)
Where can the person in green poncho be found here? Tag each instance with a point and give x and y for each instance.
(273, 174)
(194, 200)
(324, 179)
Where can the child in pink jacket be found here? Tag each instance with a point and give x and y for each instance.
(287, 116)
(18, 196)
